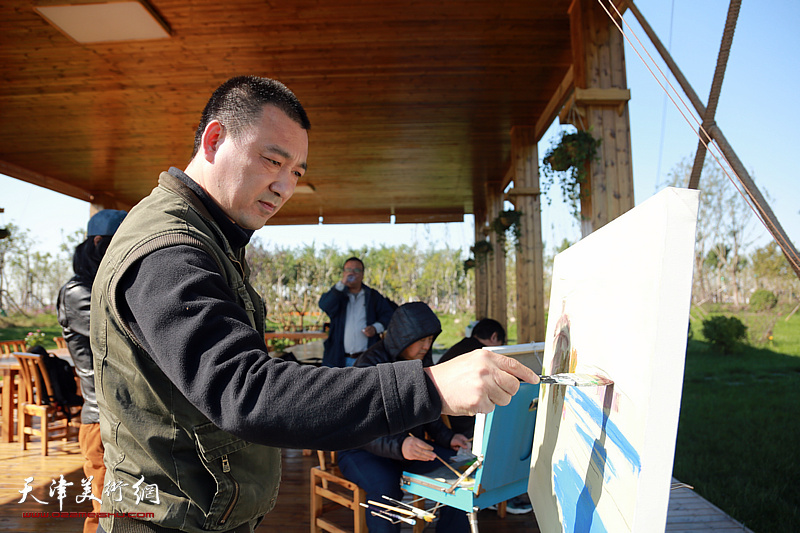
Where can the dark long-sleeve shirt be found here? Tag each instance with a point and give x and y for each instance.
(187, 319)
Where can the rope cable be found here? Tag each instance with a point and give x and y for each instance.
(716, 86)
(664, 105)
(701, 132)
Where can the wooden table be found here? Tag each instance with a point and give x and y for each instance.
(308, 352)
(63, 353)
(296, 336)
(9, 369)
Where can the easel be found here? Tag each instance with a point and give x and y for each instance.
(503, 442)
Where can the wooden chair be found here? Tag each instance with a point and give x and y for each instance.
(329, 490)
(9, 347)
(60, 342)
(35, 393)
(327, 483)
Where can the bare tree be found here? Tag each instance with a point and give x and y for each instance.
(725, 228)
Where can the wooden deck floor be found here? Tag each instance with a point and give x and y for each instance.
(688, 512)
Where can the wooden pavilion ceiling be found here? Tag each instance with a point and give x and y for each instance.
(411, 102)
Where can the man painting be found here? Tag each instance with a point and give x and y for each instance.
(191, 404)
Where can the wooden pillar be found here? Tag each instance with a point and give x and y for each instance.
(481, 268)
(530, 252)
(600, 98)
(496, 261)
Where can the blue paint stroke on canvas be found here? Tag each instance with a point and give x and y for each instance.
(591, 417)
(577, 515)
(610, 455)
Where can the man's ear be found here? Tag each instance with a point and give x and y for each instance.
(213, 136)
(494, 338)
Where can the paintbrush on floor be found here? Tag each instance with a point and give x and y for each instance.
(576, 380)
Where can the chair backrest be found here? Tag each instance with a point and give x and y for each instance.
(504, 438)
(60, 342)
(9, 347)
(36, 387)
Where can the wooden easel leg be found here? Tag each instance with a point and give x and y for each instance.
(501, 509)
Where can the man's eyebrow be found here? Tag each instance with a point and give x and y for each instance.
(283, 153)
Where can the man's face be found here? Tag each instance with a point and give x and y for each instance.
(354, 269)
(256, 173)
(417, 349)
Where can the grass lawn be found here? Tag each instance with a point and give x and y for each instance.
(17, 328)
(739, 434)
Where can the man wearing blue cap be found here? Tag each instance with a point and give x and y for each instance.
(74, 300)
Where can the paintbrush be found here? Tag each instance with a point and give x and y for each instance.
(576, 380)
(388, 515)
(445, 463)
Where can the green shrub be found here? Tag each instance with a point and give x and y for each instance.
(763, 300)
(724, 333)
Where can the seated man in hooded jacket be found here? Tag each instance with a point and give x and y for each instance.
(377, 466)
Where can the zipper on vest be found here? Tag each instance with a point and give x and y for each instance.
(237, 263)
(226, 469)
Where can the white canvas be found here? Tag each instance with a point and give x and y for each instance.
(619, 306)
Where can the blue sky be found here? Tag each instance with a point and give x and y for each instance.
(757, 100)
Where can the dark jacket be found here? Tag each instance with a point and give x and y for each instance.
(411, 322)
(72, 307)
(190, 400)
(334, 302)
(465, 345)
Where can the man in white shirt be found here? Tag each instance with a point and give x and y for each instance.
(358, 313)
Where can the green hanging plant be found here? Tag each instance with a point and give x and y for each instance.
(567, 159)
(481, 249)
(508, 220)
(469, 264)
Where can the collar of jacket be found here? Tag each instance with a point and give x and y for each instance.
(190, 191)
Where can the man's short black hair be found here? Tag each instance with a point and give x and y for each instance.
(238, 102)
(486, 326)
(354, 259)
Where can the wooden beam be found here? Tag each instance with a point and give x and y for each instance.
(509, 176)
(765, 211)
(555, 103)
(498, 300)
(673, 67)
(357, 218)
(34, 178)
(608, 192)
(481, 268)
(547, 117)
(613, 96)
(289, 220)
(595, 96)
(514, 194)
(427, 218)
(530, 249)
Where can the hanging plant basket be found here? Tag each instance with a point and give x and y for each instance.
(568, 160)
(481, 249)
(469, 264)
(508, 220)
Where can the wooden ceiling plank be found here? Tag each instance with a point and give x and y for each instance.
(34, 178)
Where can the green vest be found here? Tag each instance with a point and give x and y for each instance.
(162, 455)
